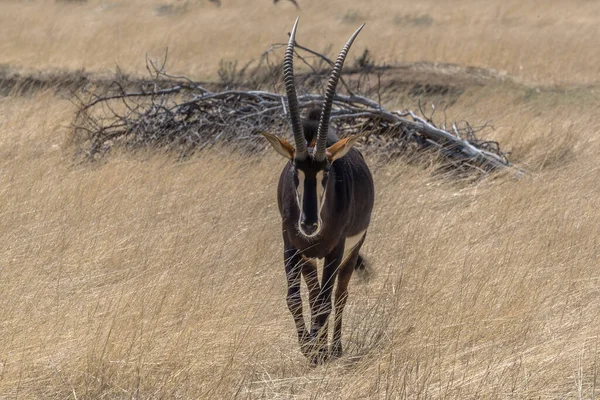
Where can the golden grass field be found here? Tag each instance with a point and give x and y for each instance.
(147, 277)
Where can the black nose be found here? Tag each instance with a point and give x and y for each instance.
(309, 228)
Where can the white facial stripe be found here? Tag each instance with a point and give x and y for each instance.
(320, 189)
(320, 197)
(300, 188)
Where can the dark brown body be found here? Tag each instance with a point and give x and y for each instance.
(325, 197)
(346, 212)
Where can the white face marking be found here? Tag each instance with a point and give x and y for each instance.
(300, 188)
(300, 199)
(320, 190)
(350, 244)
(320, 199)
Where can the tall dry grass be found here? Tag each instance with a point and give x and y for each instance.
(146, 277)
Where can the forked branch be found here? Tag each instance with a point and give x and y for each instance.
(182, 115)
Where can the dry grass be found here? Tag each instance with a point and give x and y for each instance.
(532, 40)
(145, 277)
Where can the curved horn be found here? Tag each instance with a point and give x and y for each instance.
(288, 76)
(330, 92)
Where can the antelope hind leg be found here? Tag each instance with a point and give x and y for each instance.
(341, 293)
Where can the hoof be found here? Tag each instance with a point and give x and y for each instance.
(319, 357)
(306, 349)
(336, 351)
(317, 349)
(317, 353)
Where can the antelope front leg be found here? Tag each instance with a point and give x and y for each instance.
(320, 318)
(293, 268)
(311, 277)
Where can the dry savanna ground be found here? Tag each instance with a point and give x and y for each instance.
(147, 277)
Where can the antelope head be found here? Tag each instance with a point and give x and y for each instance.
(311, 166)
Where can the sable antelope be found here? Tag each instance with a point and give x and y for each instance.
(325, 198)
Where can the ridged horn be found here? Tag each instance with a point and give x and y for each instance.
(290, 89)
(330, 92)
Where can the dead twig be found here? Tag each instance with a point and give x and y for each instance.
(180, 114)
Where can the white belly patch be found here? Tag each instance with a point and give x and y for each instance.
(351, 242)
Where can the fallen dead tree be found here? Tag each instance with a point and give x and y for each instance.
(182, 115)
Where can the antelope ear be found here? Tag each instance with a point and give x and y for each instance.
(341, 147)
(280, 145)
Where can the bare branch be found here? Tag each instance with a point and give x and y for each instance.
(180, 114)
